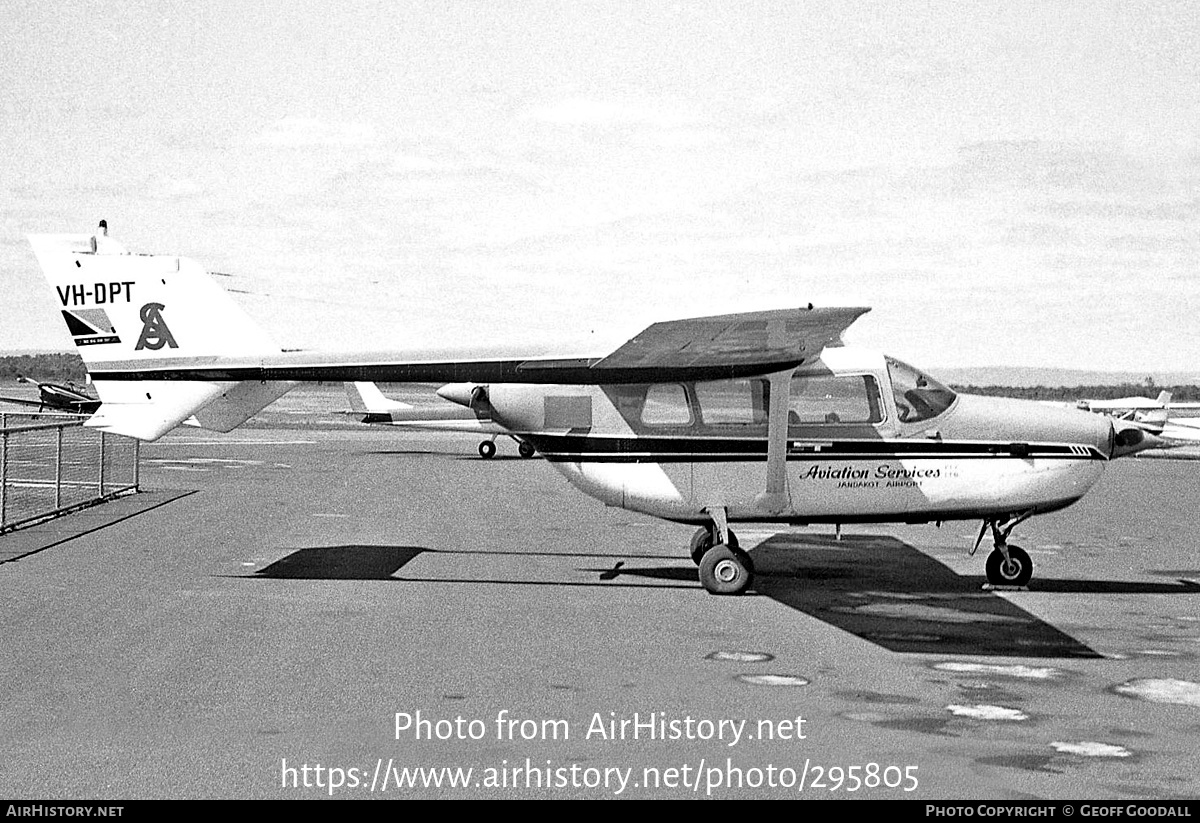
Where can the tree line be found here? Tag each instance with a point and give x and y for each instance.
(1179, 394)
(59, 367)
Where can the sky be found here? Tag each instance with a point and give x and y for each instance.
(1004, 183)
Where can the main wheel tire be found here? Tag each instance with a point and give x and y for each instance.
(746, 559)
(1015, 571)
(487, 449)
(526, 450)
(701, 543)
(724, 571)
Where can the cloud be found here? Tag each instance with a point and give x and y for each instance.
(1038, 233)
(1169, 146)
(303, 132)
(606, 113)
(919, 68)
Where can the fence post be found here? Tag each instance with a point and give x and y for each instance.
(100, 489)
(58, 470)
(4, 478)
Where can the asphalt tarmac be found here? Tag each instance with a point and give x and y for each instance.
(296, 612)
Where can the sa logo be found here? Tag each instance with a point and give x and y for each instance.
(155, 333)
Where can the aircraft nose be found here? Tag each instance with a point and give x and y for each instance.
(1129, 439)
(460, 393)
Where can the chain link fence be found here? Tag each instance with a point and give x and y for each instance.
(51, 464)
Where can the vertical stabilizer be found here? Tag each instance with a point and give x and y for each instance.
(127, 312)
(367, 398)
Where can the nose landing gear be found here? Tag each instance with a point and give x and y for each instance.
(1007, 565)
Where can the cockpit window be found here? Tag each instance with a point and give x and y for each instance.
(918, 396)
(820, 399)
(738, 402)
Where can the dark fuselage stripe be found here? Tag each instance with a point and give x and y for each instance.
(707, 457)
(574, 448)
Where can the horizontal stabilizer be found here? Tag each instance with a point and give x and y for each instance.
(149, 409)
(239, 402)
(473, 426)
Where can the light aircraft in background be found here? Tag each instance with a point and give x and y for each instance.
(367, 400)
(57, 397)
(1158, 416)
(1143, 412)
(710, 421)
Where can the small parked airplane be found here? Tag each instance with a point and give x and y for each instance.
(755, 417)
(1144, 412)
(1158, 416)
(57, 397)
(366, 399)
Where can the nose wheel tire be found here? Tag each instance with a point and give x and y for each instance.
(726, 571)
(487, 449)
(1014, 571)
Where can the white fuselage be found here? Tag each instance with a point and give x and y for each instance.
(867, 439)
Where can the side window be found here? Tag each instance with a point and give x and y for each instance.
(666, 405)
(736, 402)
(826, 399)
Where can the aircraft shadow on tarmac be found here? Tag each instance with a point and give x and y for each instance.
(875, 587)
(886, 591)
(341, 563)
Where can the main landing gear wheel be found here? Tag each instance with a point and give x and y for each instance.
(1015, 570)
(526, 450)
(487, 449)
(726, 571)
(702, 541)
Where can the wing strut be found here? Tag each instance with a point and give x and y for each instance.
(774, 500)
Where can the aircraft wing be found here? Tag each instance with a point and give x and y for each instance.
(21, 401)
(703, 348)
(474, 426)
(67, 407)
(1124, 404)
(781, 337)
